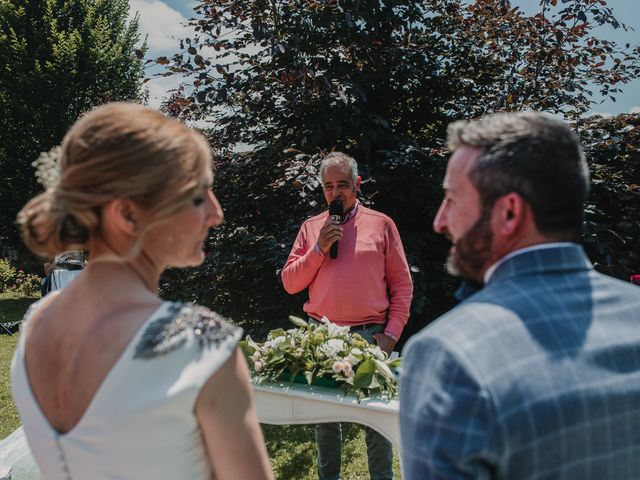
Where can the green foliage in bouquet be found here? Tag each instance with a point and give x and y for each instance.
(323, 351)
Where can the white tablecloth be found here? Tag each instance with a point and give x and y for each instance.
(61, 278)
(15, 454)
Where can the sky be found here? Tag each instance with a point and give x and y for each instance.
(163, 24)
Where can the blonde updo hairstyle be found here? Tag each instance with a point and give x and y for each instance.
(118, 150)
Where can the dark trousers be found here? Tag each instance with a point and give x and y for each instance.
(329, 440)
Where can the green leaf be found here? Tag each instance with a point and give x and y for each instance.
(246, 349)
(293, 374)
(277, 357)
(395, 363)
(278, 332)
(365, 374)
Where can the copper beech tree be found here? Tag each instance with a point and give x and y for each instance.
(380, 80)
(364, 72)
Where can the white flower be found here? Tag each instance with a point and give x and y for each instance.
(352, 356)
(257, 366)
(331, 347)
(47, 167)
(337, 366)
(376, 352)
(275, 342)
(256, 356)
(334, 330)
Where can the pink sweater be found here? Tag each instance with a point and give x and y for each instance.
(369, 282)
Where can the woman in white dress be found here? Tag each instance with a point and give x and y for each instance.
(110, 381)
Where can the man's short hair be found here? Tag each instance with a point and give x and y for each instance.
(339, 159)
(535, 155)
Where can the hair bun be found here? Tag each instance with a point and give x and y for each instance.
(49, 229)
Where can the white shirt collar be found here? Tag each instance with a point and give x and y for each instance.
(539, 246)
(352, 212)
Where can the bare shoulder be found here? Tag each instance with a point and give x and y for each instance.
(70, 347)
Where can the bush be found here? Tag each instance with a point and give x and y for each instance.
(7, 275)
(17, 280)
(26, 283)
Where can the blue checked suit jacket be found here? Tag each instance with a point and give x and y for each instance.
(536, 376)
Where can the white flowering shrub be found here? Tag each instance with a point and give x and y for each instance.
(323, 352)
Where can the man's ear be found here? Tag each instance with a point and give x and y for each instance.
(358, 182)
(509, 213)
(122, 215)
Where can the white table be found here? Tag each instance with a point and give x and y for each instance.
(282, 404)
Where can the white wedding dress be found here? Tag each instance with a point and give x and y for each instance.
(140, 423)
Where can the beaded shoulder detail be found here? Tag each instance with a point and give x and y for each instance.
(170, 331)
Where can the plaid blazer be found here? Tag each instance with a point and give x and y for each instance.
(536, 376)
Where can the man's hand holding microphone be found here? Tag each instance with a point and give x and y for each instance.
(331, 231)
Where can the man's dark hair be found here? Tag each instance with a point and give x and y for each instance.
(535, 155)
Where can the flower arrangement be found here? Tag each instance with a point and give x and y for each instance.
(320, 352)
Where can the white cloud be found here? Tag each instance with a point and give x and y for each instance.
(635, 109)
(160, 22)
(163, 26)
(159, 86)
(602, 114)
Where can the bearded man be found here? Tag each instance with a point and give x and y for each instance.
(536, 375)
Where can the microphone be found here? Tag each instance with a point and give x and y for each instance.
(335, 210)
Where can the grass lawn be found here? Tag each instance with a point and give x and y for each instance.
(9, 420)
(12, 307)
(291, 447)
(293, 452)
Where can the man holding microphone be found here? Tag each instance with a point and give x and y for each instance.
(363, 282)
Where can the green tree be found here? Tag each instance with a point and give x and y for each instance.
(60, 58)
(379, 80)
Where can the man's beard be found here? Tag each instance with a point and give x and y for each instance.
(473, 249)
